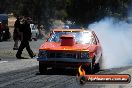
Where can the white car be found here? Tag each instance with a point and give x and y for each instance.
(34, 32)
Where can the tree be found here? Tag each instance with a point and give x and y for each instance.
(80, 11)
(86, 11)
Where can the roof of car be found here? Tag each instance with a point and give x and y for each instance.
(69, 30)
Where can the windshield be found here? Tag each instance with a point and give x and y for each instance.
(80, 37)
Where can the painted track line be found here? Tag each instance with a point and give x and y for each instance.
(3, 62)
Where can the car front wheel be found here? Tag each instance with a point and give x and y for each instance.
(42, 68)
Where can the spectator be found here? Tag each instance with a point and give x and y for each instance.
(40, 28)
(25, 38)
(16, 33)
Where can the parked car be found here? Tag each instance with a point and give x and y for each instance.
(34, 32)
(70, 48)
(4, 32)
(1, 31)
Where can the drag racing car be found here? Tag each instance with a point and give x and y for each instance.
(70, 48)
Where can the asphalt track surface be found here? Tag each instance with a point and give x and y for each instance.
(59, 78)
(29, 77)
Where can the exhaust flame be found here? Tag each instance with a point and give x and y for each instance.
(81, 71)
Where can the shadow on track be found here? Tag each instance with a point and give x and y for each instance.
(59, 71)
(62, 71)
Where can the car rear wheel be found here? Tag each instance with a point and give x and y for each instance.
(42, 68)
(88, 69)
(96, 68)
(1, 37)
(92, 68)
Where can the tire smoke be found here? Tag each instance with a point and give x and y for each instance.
(116, 39)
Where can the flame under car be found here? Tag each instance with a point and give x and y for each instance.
(70, 48)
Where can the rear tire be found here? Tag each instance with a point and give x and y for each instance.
(96, 68)
(1, 37)
(92, 69)
(97, 65)
(42, 68)
(88, 69)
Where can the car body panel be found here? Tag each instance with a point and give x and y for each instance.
(64, 59)
(76, 47)
(67, 54)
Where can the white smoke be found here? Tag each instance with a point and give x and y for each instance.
(116, 40)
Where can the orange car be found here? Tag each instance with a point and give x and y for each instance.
(70, 48)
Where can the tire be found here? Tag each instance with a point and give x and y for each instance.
(42, 68)
(1, 37)
(96, 68)
(92, 69)
(88, 69)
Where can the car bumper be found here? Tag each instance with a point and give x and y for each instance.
(64, 59)
(64, 62)
(60, 64)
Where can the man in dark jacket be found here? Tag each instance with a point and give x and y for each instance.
(16, 33)
(25, 37)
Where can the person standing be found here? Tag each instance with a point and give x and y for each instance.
(25, 38)
(41, 31)
(16, 33)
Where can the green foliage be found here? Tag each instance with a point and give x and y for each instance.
(86, 11)
(80, 11)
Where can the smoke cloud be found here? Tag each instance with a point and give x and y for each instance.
(116, 39)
